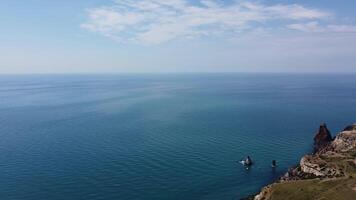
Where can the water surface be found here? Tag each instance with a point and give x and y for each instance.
(160, 136)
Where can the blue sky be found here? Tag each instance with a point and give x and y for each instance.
(120, 36)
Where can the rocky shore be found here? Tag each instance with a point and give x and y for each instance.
(328, 173)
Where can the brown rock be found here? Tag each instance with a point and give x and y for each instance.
(322, 138)
(351, 128)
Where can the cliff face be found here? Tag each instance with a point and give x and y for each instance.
(331, 169)
(346, 140)
(317, 164)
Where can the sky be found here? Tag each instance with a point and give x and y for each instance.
(177, 36)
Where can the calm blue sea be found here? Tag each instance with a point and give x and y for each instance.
(133, 137)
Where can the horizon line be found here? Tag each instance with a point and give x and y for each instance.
(172, 73)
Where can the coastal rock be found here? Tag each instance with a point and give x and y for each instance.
(318, 167)
(350, 128)
(322, 138)
(308, 166)
(329, 149)
(346, 140)
(333, 162)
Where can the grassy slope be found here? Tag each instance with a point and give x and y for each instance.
(343, 188)
(339, 189)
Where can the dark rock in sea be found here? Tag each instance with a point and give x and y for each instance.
(322, 138)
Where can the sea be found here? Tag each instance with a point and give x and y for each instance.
(160, 136)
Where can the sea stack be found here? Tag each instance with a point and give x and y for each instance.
(322, 138)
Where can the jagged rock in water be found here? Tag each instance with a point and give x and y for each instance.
(322, 138)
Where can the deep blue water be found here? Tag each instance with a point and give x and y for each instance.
(157, 137)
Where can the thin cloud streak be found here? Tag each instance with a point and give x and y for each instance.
(155, 22)
(316, 27)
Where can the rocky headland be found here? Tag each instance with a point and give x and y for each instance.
(328, 173)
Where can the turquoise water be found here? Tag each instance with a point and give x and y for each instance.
(160, 136)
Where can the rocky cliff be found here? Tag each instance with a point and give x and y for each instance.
(328, 173)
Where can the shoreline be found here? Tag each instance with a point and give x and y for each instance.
(332, 166)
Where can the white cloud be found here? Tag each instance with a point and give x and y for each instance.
(315, 26)
(307, 27)
(157, 21)
(342, 28)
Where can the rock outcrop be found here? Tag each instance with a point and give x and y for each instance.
(317, 167)
(346, 140)
(322, 138)
(332, 160)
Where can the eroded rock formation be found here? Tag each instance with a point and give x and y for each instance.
(332, 159)
(322, 138)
